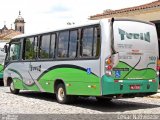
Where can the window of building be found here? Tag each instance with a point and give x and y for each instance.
(73, 44)
(44, 46)
(20, 29)
(63, 44)
(14, 53)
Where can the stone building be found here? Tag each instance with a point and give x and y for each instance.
(6, 34)
(146, 12)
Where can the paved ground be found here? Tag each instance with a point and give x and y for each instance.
(157, 95)
(28, 102)
(30, 105)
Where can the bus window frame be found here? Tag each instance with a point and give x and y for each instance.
(55, 57)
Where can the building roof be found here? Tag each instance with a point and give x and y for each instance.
(9, 34)
(4, 28)
(126, 10)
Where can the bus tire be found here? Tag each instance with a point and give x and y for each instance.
(103, 99)
(61, 95)
(12, 89)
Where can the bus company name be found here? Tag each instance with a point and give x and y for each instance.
(35, 68)
(139, 36)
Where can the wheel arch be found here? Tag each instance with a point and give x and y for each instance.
(58, 81)
(9, 80)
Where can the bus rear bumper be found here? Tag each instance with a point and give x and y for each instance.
(1, 75)
(111, 87)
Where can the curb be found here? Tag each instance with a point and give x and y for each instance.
(154, 96)
(157, 95)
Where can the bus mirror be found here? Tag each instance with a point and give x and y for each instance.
(5, 49)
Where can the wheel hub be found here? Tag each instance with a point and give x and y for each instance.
(12, 86)
(60, 94)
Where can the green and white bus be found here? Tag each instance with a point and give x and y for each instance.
(2, 58)
(109, 58)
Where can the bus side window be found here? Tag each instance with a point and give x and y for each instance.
(96, 46)
(73, 44)
(29, 47)
(87, 42)
(14, 53)
(44, 46)
(63, 44)
(52, 47)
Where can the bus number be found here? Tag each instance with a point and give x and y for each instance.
(152, 58)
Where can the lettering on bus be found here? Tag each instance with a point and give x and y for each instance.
(35, 68)
(120, 69)
(125, 46)
(138, 36)
(124, 57)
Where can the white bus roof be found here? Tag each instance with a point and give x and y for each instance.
(91, 22)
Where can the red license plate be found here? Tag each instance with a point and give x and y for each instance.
(134, 87)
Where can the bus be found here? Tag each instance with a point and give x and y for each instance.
(107, 59)
(2, 58)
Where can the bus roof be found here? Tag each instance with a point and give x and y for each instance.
(91, 22)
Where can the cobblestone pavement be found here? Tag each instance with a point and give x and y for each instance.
(28, 102)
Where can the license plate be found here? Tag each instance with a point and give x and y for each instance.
(134, 87)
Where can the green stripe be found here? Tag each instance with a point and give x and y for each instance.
(78, 79)
(146, 73)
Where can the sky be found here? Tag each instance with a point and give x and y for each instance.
(43, 15)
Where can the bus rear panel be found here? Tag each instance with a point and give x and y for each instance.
(130, 70)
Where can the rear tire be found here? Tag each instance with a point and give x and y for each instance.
(13, 89)
(61, 95)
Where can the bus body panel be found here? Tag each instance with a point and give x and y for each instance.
(105, 43)
(80, 77)
(110, 87)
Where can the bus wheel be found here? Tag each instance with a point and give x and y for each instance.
(103, 99)
(61, 94)
(12, 89)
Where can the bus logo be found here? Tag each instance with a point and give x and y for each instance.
(117, 74)
(35, 68)
(138, 36)
(89, 71)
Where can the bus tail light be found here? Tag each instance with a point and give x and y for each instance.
(158, 62)
(152, 80)
(108, 67)
(108, 61)
(108, 73)
(158, 67)
(157, 73)
(116, 81)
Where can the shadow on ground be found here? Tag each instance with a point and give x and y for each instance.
(1, 83)
(116, 105)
